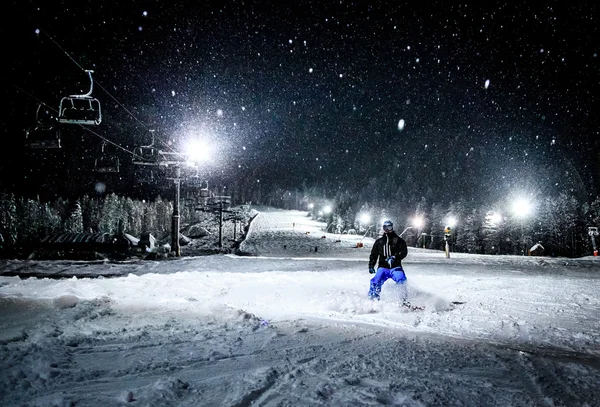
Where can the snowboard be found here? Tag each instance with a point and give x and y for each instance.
(411, 307)
(416, 308)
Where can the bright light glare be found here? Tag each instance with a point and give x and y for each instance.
(452, 221)
(365, 218)
(496, 218)
(198, 151)
(521, 208)
(418, 222)
(327, 209)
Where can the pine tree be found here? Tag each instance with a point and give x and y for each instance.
(8, 219)
(436, 226)
(74, 222)
(50, 222)
(109, 214)
(90, 208)
(28, 218)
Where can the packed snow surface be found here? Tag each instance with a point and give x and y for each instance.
(288, 323)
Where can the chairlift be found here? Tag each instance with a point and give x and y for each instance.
(197, 191)
(145, 177)
(106, 163)
(198, 186)
(196, 183)
(215, 201)
(45, 133)
(146, 155)
(203, 192)
(80, 109)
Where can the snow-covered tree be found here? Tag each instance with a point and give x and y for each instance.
(74, 221)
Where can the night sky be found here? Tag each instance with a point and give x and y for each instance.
(457, 99)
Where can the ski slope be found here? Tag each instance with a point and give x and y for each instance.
(288, 323)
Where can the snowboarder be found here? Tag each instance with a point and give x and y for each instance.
(390, 249)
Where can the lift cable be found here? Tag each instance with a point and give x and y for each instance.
(86, 128)
(167, 147)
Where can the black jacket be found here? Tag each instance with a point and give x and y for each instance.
(389, 244)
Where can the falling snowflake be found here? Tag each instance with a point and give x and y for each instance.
(401, 124)
(100, 187)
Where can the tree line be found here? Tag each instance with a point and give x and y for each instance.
(560, 223)
(25, 222)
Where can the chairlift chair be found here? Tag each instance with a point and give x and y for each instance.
(145, 177)
(80, 109)
(201, 201)
(106, 163)
(204, 192)
(196, 183)
(45, 134)
(198, 186)
(145, 155)
(197, 191)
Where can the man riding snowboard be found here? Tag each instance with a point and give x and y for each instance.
(390, 249)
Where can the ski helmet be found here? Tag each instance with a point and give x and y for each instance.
(388, 226)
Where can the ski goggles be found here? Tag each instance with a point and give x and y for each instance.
(388, 228)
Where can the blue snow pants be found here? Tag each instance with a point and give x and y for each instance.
(382, 274)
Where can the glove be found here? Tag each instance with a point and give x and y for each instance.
(390, 260)
(371, 270)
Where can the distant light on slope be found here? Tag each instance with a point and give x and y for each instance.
(521, 207)
(496, 218)
(418, 222)
(451, 221)
(365, 218)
